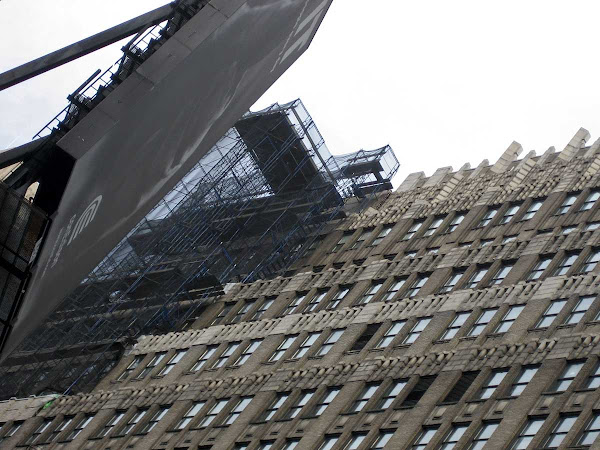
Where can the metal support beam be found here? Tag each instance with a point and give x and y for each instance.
(84, 47)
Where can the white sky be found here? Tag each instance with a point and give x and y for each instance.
(443, 82)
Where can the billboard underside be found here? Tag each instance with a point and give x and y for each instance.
(149, 132)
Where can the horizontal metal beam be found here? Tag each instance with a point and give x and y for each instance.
(83, 47)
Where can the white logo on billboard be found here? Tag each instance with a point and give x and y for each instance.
(86, 217)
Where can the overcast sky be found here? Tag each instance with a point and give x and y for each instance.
(442, 82)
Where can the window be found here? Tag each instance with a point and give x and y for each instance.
(453, 437)
(410, 255)
(302, 400)
(510, 213)
(266, 445)
(79, 427)
(565, 264)
(591, 261)
(131, 367)
(308, 342)
(567, 376)
(158, 357)
(533, 208)
(433, 250)
(417, 285)
(509, 318)
(370, 293)
(508, 239)
(283, 347)
(330, 341)
(189, 415)
(483, 435)
(465, 244)
(590, 200)
(237, 410)
(33, 438)
(484, 318)
(391, 333)
(501, 274)
(179, 354)
(226, 308)
(383, 439)
(59, 429)
(12, 430)
(528, 432)
(539, 268)
(593, 380)
(270, 412)
(583, 304)
(485, 242)
(592, 430)
(135, 419)
(247, 306)
(247, 353)
(390, 394)
(291, 444)
(562, 427)
(364, 397)
(591, 226)
(362, 238)
(492, 383)
(220, 361)
(462, 385)
(208, 352)
(339, 296)
(314, 302)
(487, 218)
(365, 337)
(451, 282)
(343, 241)
(566, 204)
(458, 218)
(110, 425)
(412, 230)
(476, 277)
(416, 330)
(458, 321)
(329, 442)
(291, 308)
(355, 441)
(393, 289)
(521, 382)
(567, 230)
(260, 312)
(326, 399)
(424, 438)
(382, 234)
(156, 417)
(213, 413)
(418, 391)
(550, 314)
(433, 226)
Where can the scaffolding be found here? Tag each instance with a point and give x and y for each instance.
(246, 211)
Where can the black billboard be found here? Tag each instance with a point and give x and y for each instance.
(153, 128)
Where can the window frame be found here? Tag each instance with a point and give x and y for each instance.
(509, 318)
(331, 340)
(173, 360)
(284, 346)
(454, 327)
(416, 330)
(413, 230)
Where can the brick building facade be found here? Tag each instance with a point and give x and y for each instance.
(460, 311)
